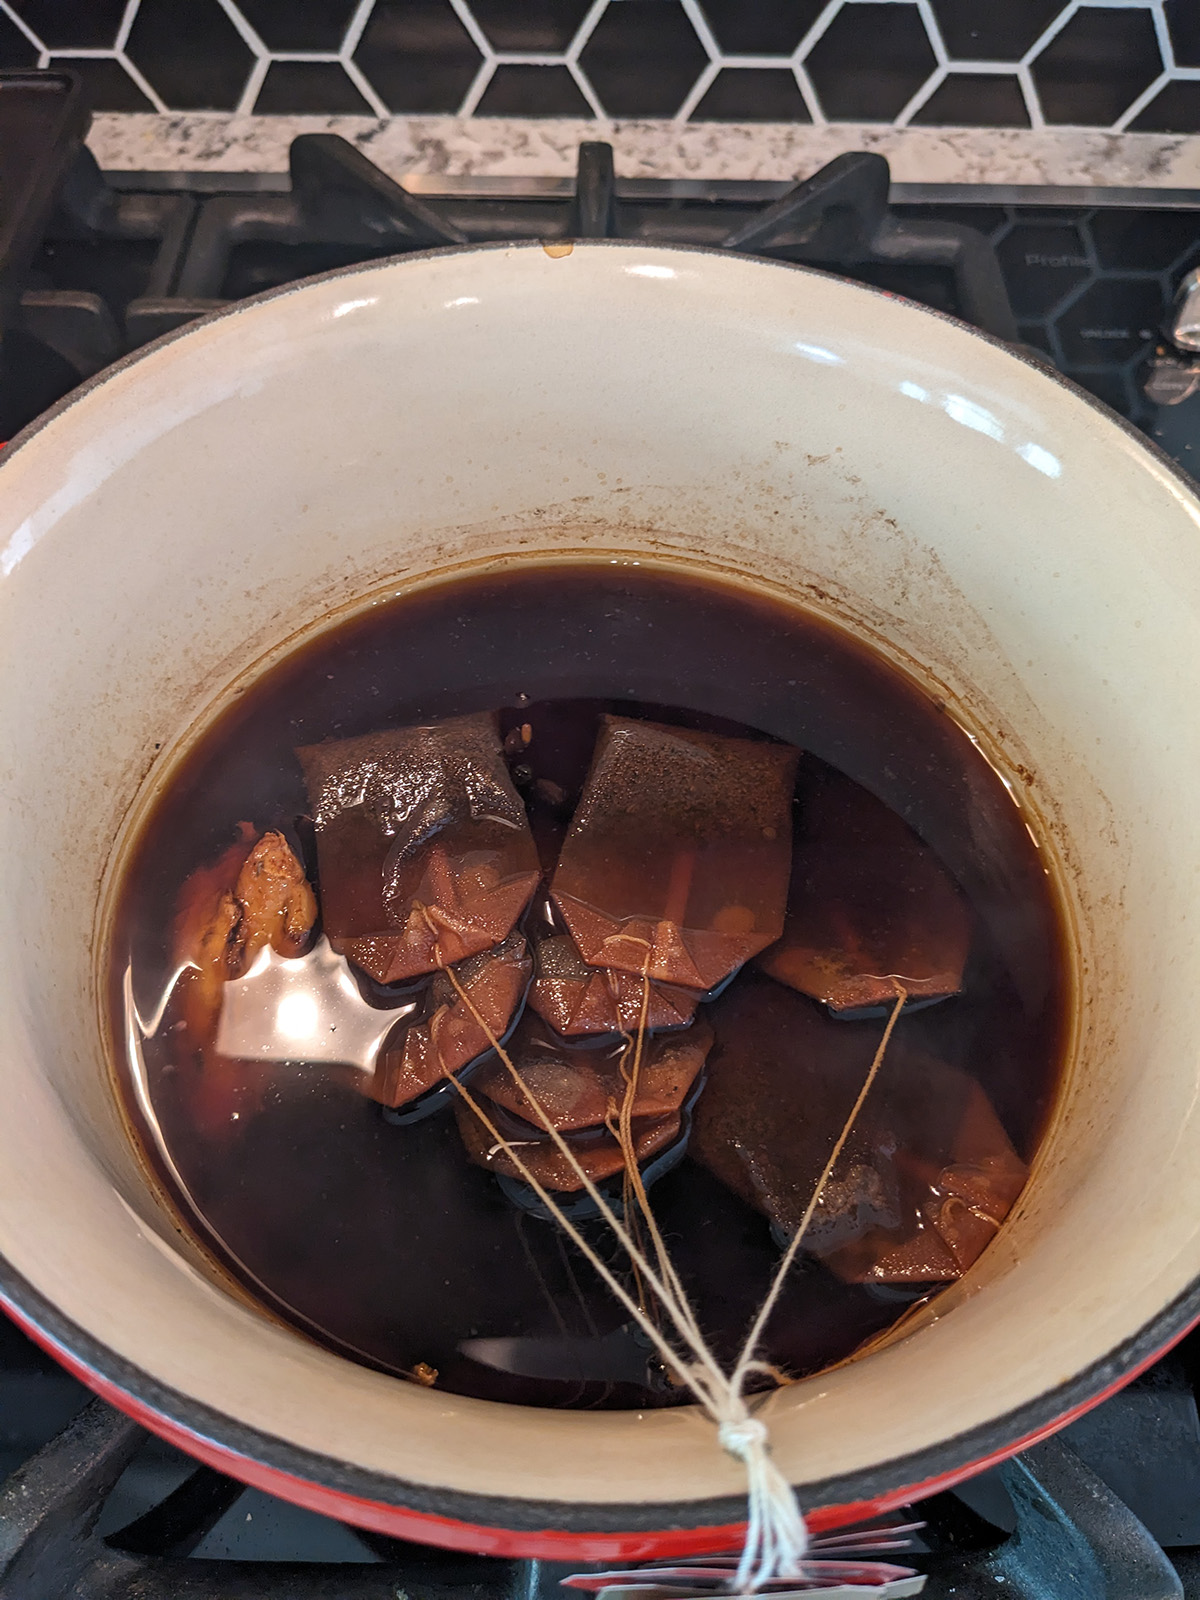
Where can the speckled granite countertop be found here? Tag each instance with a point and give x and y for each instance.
(525, 147)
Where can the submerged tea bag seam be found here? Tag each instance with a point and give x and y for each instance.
(776, 1534)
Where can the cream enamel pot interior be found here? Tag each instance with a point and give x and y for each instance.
(190, 510)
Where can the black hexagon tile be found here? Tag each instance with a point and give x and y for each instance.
(1174, 109)
(417, 55)
(1183, 25)
(293, 88)
(639, 59)
(536, 27)
(191, 53)
(993, 30)
(752, 94)
(299, 24)
(16, 50)
(975, 100)
(517, 90)
(643, 58)
(72, 24)
(760, 27)
(1097, 65)
(870, 61)
(106, 83)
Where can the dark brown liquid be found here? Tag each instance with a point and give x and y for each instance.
(384, 1242)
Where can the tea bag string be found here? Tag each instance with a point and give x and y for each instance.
(702, 1375)
(776, 1537)
(636, 1047)
(704, 1370)
(746, 1362)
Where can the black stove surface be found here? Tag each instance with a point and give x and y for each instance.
(92, 266)
(1084, 278)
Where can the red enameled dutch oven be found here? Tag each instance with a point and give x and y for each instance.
(180, 519)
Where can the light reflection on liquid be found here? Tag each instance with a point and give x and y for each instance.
(306, 1011)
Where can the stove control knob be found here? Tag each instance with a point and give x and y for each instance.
(1167, 380)
(1184, 326)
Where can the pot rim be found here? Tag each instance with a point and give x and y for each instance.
(511, 1526)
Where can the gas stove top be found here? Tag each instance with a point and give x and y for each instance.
(1096, 283)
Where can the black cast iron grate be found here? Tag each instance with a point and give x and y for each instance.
(115, 269)
(1066, 1534)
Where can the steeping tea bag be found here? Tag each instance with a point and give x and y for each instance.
(449, 1030)
(576, 999)
(869, 903)
(423, 846)
(676, 865)
(580, 1093)
(927, 1175)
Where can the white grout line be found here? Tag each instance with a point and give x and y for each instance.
(1049, 33)
(700, 23)
(782, 63)
(487, 69)
(809, 95)
(354, 30)
(143, 83)
(697, 92)
(585, 29)
(1166, 47)
(467, 17)
(258, 70)
(815, 32)
(1032, 104)
(81, 54)
(527, 58)
(1140, 104)
(7, 10)
(253, 84)
(917, 100)
(933, 32)
(584, 83)
(365, 87)
(123, 32)
(243, 27)
(322, 56)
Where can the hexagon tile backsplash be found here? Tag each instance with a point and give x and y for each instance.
(968, 90)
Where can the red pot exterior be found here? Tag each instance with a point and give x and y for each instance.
(548, 1544)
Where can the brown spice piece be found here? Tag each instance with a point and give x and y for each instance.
(577, 999)
(869, 902)
(677, 861)
(928, 1173)
(448, 1034)
(277, 903)
(254, 894)
(425, 852)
